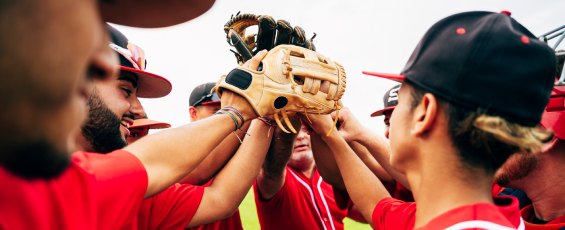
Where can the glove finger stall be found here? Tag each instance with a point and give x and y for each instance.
(240, 45)
(266, 33)
(284, 34)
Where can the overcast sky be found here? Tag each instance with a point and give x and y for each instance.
(361, 35)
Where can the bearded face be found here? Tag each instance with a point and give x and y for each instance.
(102, 128)
(517, 167)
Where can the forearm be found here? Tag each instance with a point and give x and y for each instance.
(170, 155)
(325, 162)
(363, 186)
(272, 174)
(379, 147)
(217, 159)
(233, 182)
(371, 162)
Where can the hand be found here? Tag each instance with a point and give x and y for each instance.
(229, 98)
(322, 126)
(350, 128)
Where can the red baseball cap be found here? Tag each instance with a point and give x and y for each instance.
(144, 122)
(152, 14)
(132, 59)
(554, 114)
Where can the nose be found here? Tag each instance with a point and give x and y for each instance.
(136, 108)
(104, 64)
(301, 135)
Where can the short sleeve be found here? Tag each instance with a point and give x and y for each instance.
(273, 201)
(391, 213)
(170, 209)
(120, 183)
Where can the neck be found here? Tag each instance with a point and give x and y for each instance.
(440, 189)
(544, 187)
(305, 167)
(81, 144)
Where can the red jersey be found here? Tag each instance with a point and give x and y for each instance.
(528, 216)
(391, 213)
(231, 223)
(96, 192)
(170, 209)
(301, 203)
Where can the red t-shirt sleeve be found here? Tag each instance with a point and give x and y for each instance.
(170, 209)
(120, 183)
(391, 213)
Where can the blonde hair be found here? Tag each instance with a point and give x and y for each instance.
(523, 139)
(485, 141)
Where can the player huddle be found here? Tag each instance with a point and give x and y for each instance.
(474, 133)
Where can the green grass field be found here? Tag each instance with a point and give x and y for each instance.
(248, 213)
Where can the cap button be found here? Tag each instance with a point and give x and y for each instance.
(506, 12)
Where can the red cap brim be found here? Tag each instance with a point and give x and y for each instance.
(144, 122)
(150, 85)
(211, 102)
(391, 76)
(382, 111)
(555, 121)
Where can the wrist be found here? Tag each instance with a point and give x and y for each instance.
(363, 136)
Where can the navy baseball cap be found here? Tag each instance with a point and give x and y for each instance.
(390, 100)
(132, 59)
(484, 60)
(203, 95)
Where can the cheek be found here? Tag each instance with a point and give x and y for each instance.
(398, 134)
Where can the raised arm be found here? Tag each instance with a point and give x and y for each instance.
(328, 169)
(272, 174)
(377, 145)
(168, 156)
(325, 162)
(364, 188)
(221, 199)
(216, 160)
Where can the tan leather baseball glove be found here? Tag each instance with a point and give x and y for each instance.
(289, 83)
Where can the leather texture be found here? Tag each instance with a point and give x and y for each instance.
(270, 34)
(294, 73)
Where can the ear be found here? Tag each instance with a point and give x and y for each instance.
(193, 113)
(549, 145)
(425, 114)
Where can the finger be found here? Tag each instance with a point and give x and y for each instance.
(266, 33)
(256, 60)
(240, 45)
(340, 118)
(284, 35)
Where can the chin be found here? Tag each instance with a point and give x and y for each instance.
(305, 155)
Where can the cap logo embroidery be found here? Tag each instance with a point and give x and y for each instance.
(393, 95)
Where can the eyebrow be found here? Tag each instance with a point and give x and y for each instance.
(130, 79)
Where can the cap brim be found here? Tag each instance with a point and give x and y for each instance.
(211, 102)
(554, 121)
(391, 76)
(150, 85)
(382, 111)
(152, 14)
(144, 122)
